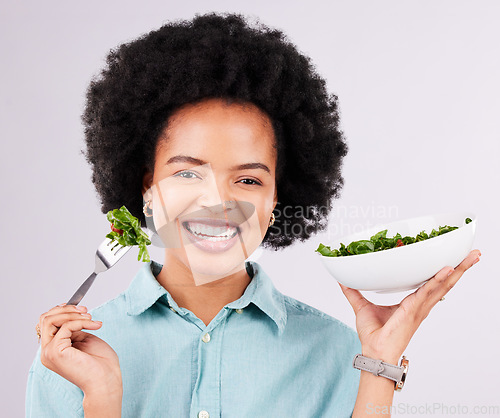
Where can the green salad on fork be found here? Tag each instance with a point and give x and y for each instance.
(126, 231)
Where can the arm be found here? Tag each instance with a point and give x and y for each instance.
(103, 404)
(48, 395)
(375, 393)
(385, 332)
(46, 398)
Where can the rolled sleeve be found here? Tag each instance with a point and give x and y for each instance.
(50, 395)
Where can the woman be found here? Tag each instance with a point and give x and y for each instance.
(204, 130)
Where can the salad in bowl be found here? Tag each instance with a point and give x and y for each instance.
(401, 255)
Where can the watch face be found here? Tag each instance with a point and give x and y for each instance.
(405, 364)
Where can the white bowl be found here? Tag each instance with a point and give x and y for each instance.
(406, 267)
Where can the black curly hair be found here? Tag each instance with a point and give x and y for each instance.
(216, 56)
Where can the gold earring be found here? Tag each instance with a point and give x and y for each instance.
(273, 218)
(147, 209)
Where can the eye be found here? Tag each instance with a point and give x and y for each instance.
(186, 174)
(255, 182)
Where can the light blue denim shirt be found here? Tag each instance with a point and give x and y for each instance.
(263, 355)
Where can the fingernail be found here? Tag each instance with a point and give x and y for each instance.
(81, 308)
(475, 261)
(451, 271)
(97, 322)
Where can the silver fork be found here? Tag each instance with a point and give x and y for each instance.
(106, 256)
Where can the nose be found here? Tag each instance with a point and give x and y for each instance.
(216, 196)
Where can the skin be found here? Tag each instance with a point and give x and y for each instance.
(224, 135)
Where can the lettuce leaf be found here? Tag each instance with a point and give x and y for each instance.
(132, 233)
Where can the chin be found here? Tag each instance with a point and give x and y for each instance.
(208, 267)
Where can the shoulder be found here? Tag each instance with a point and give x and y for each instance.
(111, 308)
(297, 307)
(301, 312)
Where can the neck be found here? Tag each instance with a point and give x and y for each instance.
(204, 300)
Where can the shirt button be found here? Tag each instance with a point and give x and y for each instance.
(239, 310)
(206, 339)
(203, 414)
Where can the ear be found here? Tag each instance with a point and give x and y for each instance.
(147, 181)
(275, 200)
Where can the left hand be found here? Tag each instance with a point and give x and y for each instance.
(385, 331)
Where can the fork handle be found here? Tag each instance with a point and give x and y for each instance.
(82, 290)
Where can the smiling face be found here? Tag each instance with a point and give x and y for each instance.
(213, 187)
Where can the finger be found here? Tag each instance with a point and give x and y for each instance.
(354, 297)
(59, 309)
(439, 285)
(55, 353)
(63, 338)
(466, 264)
(52, 323)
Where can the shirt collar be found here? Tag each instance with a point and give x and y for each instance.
(145, 290)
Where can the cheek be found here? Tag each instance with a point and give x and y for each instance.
(172, 199)
(263, 209)
(266, 205)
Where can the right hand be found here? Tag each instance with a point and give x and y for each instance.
(81, 358)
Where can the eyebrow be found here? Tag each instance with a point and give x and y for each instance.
(188, 159)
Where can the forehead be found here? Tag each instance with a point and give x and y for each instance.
(220, 130)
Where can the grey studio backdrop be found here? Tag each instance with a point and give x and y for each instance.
(419, 90)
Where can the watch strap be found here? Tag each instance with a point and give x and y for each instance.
(378, 367)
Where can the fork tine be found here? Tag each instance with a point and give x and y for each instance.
(113, 247)
(105, 257)
(118, 250)
(110, 255)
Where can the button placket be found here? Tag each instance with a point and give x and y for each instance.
(206, 394)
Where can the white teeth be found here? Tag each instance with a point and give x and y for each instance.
(214, 233)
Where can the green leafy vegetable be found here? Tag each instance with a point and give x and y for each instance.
(380, 241)
(127, 231)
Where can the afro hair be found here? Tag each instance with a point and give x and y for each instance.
(215, 55)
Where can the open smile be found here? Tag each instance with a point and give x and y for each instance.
(212, 235)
